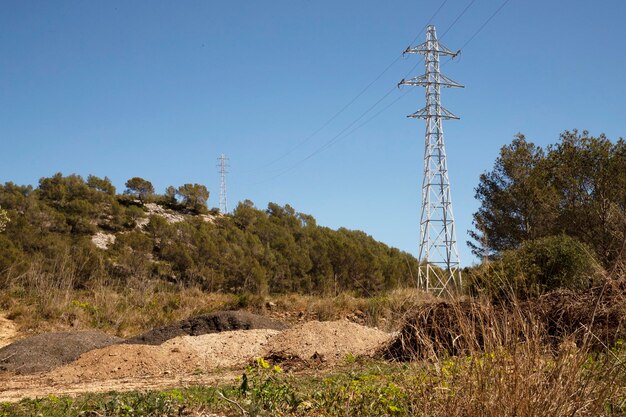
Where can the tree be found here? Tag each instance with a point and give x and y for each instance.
(16, 197)
(195, 196)
(245, 215)
(516, 204)
(170, 194)
(139, 188)
(589, 174)
(577, 187)
(60, 190)
(103, 185)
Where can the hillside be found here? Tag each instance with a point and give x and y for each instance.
(77, 232)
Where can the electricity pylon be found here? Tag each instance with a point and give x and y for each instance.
(222, 164)
(439, 270)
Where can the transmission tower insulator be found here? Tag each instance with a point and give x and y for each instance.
(440, 267)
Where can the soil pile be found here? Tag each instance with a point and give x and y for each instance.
(50, 350)
(178, 356)
(328, 342)
(229, 348)
(595, 319)
(124, 361)
(215, 322)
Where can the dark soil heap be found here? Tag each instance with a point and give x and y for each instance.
(595, 319)
(215, 322)
(50, 350)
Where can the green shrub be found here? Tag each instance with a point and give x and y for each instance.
(10, 257)
(536, 267)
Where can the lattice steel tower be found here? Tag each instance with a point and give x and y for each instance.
(222, 164)
(439, 270)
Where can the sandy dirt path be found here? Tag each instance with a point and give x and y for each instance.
(15, 388)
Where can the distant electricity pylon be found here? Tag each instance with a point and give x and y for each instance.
(222, 164)
(439, 270)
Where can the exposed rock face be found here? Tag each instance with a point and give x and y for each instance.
(169, 215)
(103, 240)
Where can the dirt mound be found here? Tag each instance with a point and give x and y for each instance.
(215, 322)
(178, 356)
(595, 319)
(327, 342)
(228, 349)
(50, 350)
(123, 361)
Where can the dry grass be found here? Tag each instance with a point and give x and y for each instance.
(593, 320)
(386, 311)
(521, 381)
(557, 355)
(44, 298)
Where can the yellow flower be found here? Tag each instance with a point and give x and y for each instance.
(262, 363)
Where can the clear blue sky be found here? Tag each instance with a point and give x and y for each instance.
(159, 89)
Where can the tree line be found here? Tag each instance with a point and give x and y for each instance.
(276, 250)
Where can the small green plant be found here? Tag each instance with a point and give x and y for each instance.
(350, 358)
(263, 391)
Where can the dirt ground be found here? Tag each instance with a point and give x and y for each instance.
(213, 358)
(14, 388)
(8, 331)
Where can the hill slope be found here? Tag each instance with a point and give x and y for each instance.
(77, 232)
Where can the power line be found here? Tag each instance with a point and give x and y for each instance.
(405, 93)
(330, 142)
(355, 98)
(428, 22)
(338, 137)
(504, 3)
(494, 14)
(376, 114)
(471, 3)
